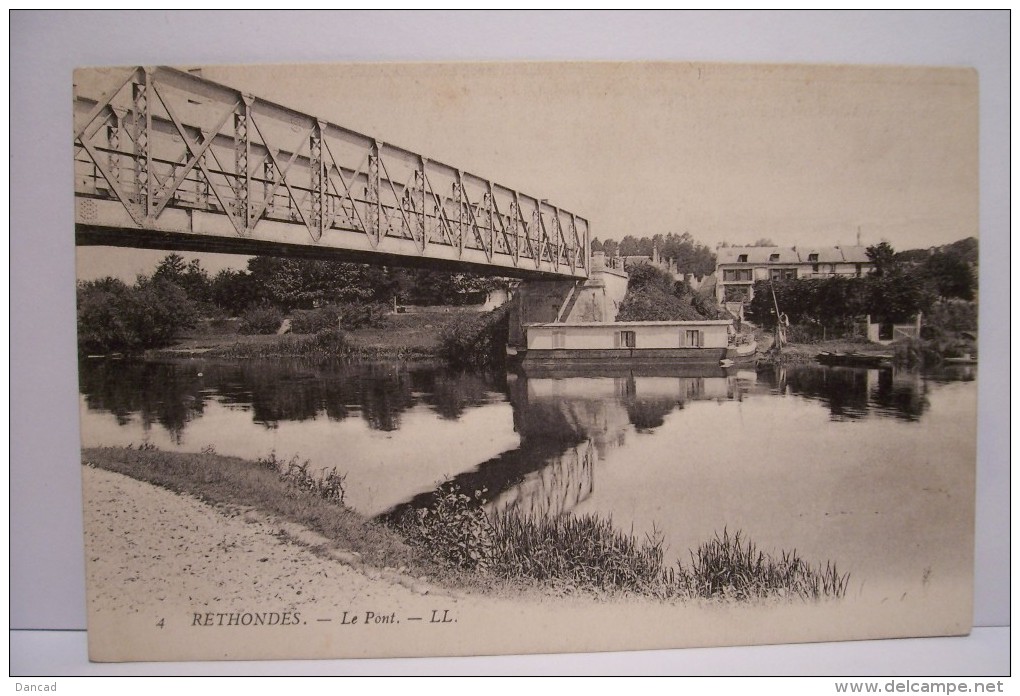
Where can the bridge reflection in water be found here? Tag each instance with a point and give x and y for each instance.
(567, 423)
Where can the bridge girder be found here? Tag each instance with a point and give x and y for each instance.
(167, 159)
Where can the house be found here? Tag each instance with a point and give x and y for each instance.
(738, 268)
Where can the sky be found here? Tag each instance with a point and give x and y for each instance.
(730, 153)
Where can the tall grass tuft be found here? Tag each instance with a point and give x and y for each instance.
(584, 552)
(734, 568)
(328, 345)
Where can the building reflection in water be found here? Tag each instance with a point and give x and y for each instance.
(567, 422)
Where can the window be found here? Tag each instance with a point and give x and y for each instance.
(859, 268)
(691, 338)
(559, 339)
(813, 258)
(742, 258)
(773, 258)
(737, 293)
(814, 266)
(784, 274)
(626, 339)
(737, 275)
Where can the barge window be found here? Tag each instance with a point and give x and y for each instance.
(626, 339)
(559, 339)
(692, 338)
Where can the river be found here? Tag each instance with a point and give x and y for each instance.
(871, 469)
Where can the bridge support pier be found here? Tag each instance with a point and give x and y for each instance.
(596, 299)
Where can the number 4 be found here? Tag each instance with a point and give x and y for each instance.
(160, 623)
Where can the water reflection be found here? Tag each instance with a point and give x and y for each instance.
(566, 421)
(826, 460)
(174, 393)
(150, 391)
(852, 393)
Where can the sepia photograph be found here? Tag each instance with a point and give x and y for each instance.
(435, 359)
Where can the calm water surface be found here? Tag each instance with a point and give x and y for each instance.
(872, 469)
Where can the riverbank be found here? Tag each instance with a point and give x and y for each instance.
(403, 336)
(172, 577)
(257, 491)
(808, 352)
(456, 544)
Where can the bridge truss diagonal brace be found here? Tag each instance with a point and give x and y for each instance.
(196, 154)
(135, 158)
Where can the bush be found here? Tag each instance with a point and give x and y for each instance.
(479, 341)
(651, 304)
(347, 316)
(115, 317)
(953, 316)
(329, 345)
(454, 531)
(261, 319)
(645, 276)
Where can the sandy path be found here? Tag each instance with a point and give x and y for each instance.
(146, 544)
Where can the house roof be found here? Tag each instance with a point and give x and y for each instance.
(764, 255)
(757, 255)
(825, 254)
(855, 254)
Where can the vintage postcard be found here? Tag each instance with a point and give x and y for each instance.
(384, 360)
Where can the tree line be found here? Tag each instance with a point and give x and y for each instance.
(116, 316)
(689, 255)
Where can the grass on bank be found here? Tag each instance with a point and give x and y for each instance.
(457, 544)
(416, 336)
(588, 553)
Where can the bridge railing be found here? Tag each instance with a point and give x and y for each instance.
(161, 139)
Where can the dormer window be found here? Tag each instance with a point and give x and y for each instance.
(742, 258)
(774, 258)
(813, 258)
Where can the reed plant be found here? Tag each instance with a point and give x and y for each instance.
(732, 567)
(585, 552)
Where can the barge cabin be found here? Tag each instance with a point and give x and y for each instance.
(707, 342)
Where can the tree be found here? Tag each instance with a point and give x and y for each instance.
(190, 277)
(883, 256)
(299, 283)
(235, 291)
(596, 245)
(115, 317)
(611, 247)
(171, 268)
(629, 246)
(764, 242)
(950, 276)
(898, 296)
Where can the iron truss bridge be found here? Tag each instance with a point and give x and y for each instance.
(166, 159)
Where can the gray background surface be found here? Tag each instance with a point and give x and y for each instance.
(47, 569)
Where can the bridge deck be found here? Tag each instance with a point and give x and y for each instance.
(167, 159)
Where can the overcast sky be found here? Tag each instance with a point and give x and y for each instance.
(801, 155)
